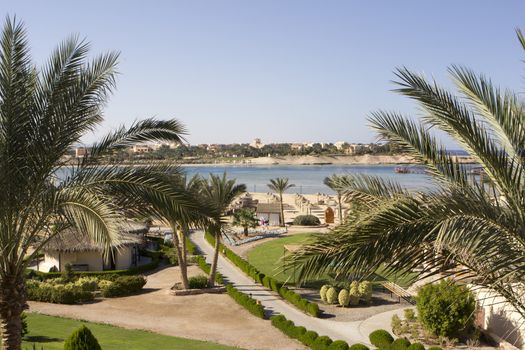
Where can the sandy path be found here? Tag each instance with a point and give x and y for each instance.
(212, 317)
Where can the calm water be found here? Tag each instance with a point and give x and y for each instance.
(307, 178)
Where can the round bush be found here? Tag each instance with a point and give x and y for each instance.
(344, 297)
(338, 345)
(400, 344)
(321, 343)
(331, 295)
(82, 339)
(416, 346)
(306, 220)
(359, 347)
(446, 308)
(313, 309)
(322, 292)
(381, 339)
(299, 332)
(309, 337)
(435, 348)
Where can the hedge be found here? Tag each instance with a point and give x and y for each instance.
(359, 347)
(31, 274)
(198, 282)
(267, 281)
(381, 339)
(57, 293)
(306, 220)
(416, 346)
(400, 344)
(123, 285)
(246, 301)
(309, 338)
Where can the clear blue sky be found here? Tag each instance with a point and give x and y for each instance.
(281, 70)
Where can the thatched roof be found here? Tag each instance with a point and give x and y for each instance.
(268, 208)
(71, 240)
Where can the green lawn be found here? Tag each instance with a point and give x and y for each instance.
(49, 332)
(266, 257)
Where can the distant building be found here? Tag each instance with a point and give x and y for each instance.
(297, 146)
(141, 149)
(81, 152)
(270, 212)
(257, 143)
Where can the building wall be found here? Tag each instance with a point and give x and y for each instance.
(499, 318)
(123, 258)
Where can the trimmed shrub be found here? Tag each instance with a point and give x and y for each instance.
(381, 339)
(331, 295)
(313, 309)
(354, 293)
(400, 344)
(343, 298)
(365, 291)
(359, 347)
(435, 348)
(246, 301)
(299, 332)
(321, 343)
(446, 308)
(338, 345)
(88, 284)
(416, 346)
(306, 220)
(123, 285)
(308, 338)
(56, 293)
(322, 292)
(82, 339)
(198, 282)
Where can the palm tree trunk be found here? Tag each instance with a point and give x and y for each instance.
(213, 269)
(184, 259)
(12, 303)
(282, 208)
(180, 258)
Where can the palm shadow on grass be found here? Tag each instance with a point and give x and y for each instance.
(41, 339)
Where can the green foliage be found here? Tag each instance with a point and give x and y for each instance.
(435, 348)
(169, 253)
(306, 220)
(359, 347)
(400, 344)
(308, 338)
(23, 320)
(354, 293)
(88, 284)
(331, 295)
(396, 324)
(344, 297)
(245, 217)
(198, 282)
(56, 293)
(409, 314)
(246, 301)
(82, 339)
(338, 345)
(323, 291)
(190, 247)
(204, 266)
(123, 285)
(321, 343)
(68, 274)
(381, 339)
(416, 346)
(446, 308)
(365, 291)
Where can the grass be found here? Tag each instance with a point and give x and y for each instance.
(49, 333)
(267, 258)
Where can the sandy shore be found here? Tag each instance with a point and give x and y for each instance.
(366, 159)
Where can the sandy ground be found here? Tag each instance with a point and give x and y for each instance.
(212, 317)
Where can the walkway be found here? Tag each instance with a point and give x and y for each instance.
(352, 332)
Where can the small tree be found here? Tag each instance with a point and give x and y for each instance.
(446, 308)
(244, 217)
(82, 339)
(280, 185)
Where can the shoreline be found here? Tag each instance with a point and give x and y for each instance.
(322, 160)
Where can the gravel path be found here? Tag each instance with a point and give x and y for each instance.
(348, 331)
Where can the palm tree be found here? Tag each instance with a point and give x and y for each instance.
(280, 185)
(245, 218)
(461, 226)
(219, 193)
(333, 183)
(44, 113)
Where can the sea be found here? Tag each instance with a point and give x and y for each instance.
(308, 179)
